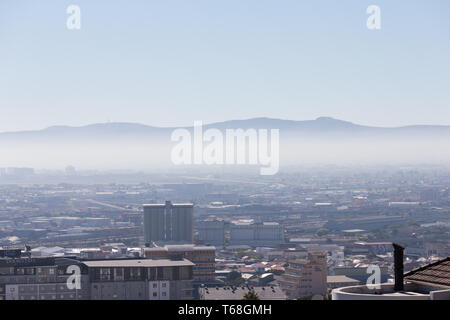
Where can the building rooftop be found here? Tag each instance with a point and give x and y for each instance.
(180, 247)
(341, 279)
(435, 273)
(162, 205)
(138, 263)
(237, 293)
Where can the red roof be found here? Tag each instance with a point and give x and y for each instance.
(247, 270)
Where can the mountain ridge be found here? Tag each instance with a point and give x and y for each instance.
(258, 122)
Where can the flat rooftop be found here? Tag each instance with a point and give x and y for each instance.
(237, 293)
(341, 279)
(162, 205)
(138, 263)
(180, 247)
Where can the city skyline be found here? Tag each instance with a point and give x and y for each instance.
(189, 153)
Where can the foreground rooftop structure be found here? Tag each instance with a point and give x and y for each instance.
(430, 282)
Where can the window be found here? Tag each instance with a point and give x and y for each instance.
(155, 294)
(4, 271)
(105, 274)
(167, 273)
(135, 273)
(118, 274)
(151, 274)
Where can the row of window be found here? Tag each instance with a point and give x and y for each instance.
(139, 273)
(48, 297)
(32, 271)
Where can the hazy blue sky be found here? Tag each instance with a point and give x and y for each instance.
(170, 62)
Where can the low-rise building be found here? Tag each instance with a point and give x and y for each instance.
(203, 257)
(306, 277)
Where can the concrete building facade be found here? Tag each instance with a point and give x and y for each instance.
(203, 257)
(306, 277)
(170, 223)
(125, 279)
(211, 232)
(256, 234)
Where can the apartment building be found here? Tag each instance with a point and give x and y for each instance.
(140, 279)
(169, 223)
(203, 257)
(211, 232)
(49, 278)
(41, 279)
(256, 234)
(305, 277)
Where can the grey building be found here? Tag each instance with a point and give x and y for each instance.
(141, 279)
(171, 223)
(211, 232)
(41, 279)
(125, 279)
(256, 234)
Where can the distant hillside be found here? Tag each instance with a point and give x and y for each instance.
(320, 128)
(135, 146)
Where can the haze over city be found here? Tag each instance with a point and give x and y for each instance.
(204, 150)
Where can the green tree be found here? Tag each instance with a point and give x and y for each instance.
(251, 295)
(322, 232)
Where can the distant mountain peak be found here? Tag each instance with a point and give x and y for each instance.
(326, 119)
